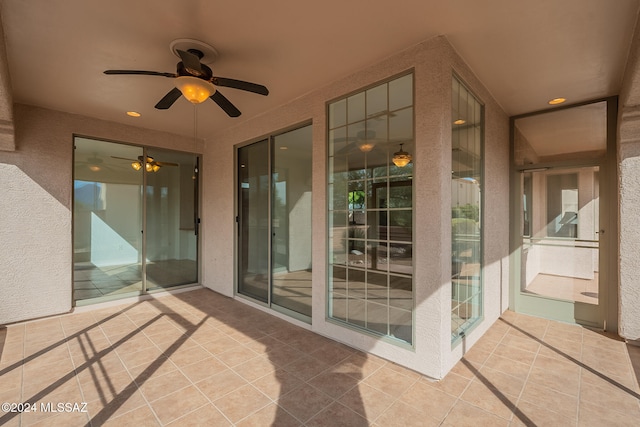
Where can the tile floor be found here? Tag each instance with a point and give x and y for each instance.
(197, 358)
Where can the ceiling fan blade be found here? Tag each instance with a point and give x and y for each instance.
(166, 164)
(123, 158)
(225, 104)
(191, 62)
(139, 72)
(240, 84)
(168, 100)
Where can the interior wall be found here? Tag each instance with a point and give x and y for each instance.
(432, 62)
(36, 255)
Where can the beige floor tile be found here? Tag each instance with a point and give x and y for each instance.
(434, 402)
(508, 366)
(176, 404)
(337, 415)
(203, 369)
(105, 387)
(464, 414)
(492, 400)
(610, 396)
(186, 356)
(389, 381)
(366, 401)
(359, 366)
(236, 356)
(594, 416)
(270, 415)
(529, 415)
(62, 419)
(255, 368)
(452, 384)
(277, 383)
(515, 353)
(305, 402)
(158, 387)
(207, 415)
(124, 402)
(281, 355)
(306, 367)
(402, 414)
(220, 345)
(241, 403)
(141, 416)
(499, 380)
(10, 376)
(335, 384)
(143, 357)
(332, 353)
(551, 400)
(221, 384)
(558, 374)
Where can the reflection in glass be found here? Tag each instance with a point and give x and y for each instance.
(171, 249)
(371, 216)
(253, 206)
(107, 220)
(560, 255)
(291, 221)
(466, 203)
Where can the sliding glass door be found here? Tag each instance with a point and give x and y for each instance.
(274, 222)
(134, 220)
(171, 222)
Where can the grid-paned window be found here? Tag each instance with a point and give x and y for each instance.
(371, 138)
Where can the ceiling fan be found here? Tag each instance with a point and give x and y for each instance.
(150, 165)
(196, 82)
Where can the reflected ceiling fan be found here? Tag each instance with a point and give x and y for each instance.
(196, 82)
(150, 165)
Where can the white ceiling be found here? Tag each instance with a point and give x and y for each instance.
(525, 52)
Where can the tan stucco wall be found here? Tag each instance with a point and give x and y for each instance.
(629, 184)
(433, 63)
(7, 137)
(36, 254)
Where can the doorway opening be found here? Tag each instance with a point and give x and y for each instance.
(563, 214)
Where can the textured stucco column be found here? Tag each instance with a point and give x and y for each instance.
(629, 185)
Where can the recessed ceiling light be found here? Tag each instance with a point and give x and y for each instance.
(459, 122)
(556, 101)
(133, 114)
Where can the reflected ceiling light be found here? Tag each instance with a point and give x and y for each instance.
(459, 122)
(150, 165)
(196, 90)
(284, 147)
(556, 101)
(133, 114)
(94, 168)
(366, 146)
(401, 158)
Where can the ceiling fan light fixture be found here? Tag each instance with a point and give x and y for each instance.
(136, 166)
(194, 89)
(401, 158)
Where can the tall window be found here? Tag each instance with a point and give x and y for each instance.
(371, 210)
(466, 209)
